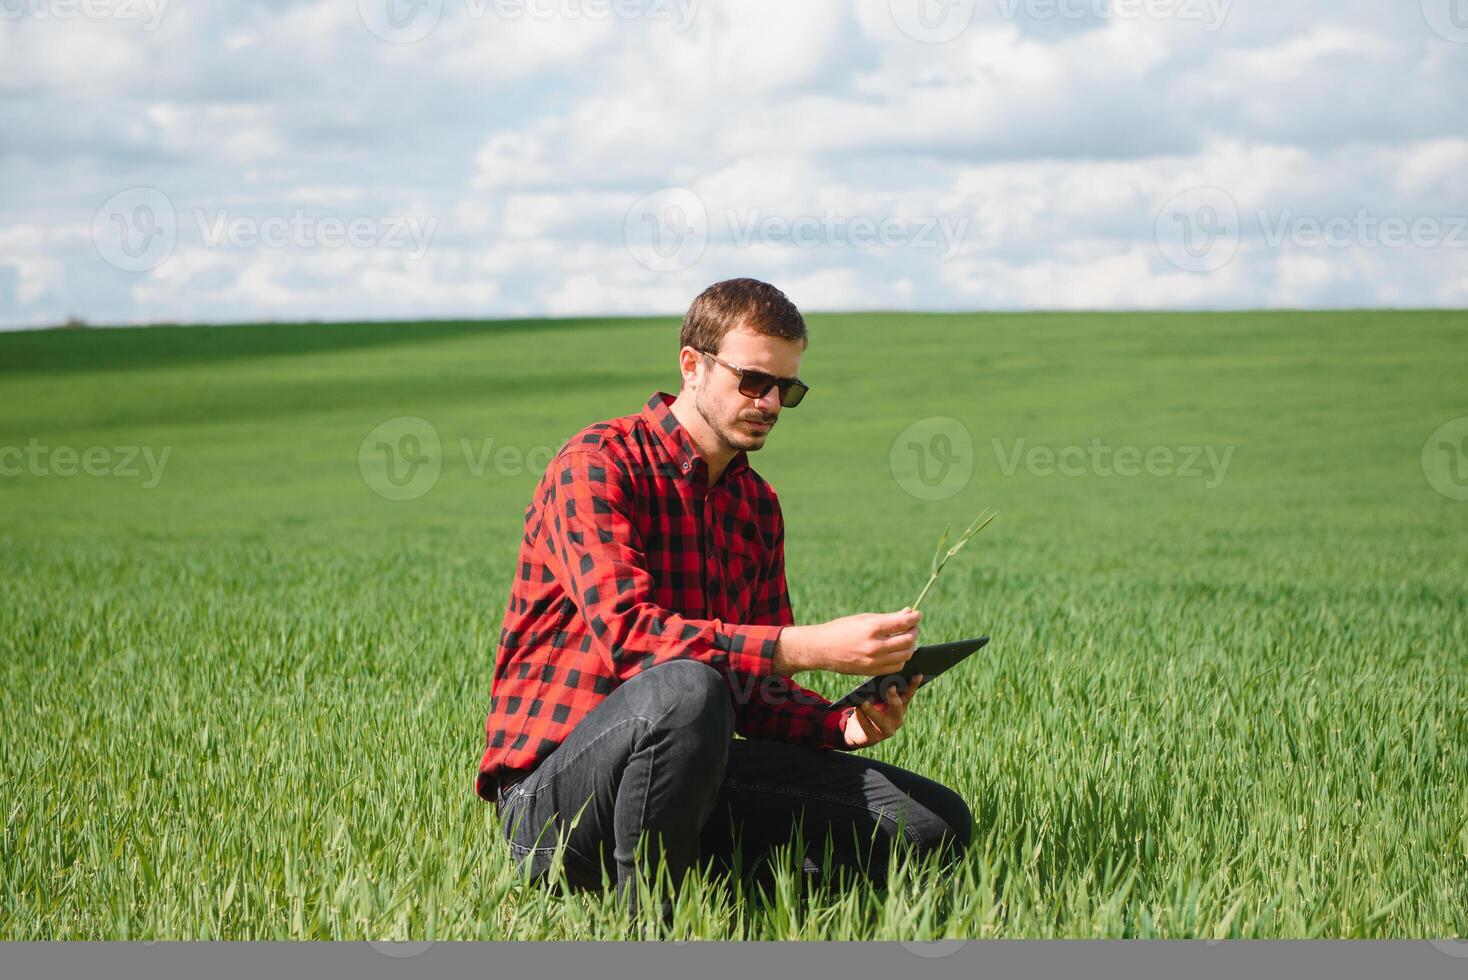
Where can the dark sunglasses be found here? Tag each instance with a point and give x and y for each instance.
(757, 384)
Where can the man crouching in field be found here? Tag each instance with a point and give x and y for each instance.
(649, 622)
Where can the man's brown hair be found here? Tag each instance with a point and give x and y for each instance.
(747, 303)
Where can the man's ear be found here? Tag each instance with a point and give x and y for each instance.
(688, 361)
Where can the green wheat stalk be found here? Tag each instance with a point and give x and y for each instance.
(940, 557)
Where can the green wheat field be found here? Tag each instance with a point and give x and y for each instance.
(244, 689)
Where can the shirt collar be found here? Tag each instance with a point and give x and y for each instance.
(680, 446)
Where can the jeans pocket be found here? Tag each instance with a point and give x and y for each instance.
(509, 813)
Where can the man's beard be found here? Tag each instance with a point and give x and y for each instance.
(733, 435)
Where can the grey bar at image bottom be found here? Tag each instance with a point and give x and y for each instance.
(1093, 959)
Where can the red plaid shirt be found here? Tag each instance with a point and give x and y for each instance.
(629, 560)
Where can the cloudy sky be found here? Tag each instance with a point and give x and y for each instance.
(203, 160)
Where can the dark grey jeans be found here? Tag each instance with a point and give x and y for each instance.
(656, 763)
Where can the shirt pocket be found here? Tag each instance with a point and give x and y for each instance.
(740, 566)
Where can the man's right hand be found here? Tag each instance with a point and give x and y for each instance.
(869, 644)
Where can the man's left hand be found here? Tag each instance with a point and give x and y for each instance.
(873, 722)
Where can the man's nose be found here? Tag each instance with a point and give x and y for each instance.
(769, 402)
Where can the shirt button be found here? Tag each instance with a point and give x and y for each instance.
(687, 466)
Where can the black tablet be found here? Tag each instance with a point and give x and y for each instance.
(930, 661)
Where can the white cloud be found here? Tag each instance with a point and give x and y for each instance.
(1047, 147)
(237, 133)
(31, 250)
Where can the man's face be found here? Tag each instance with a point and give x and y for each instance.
(743, 422)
